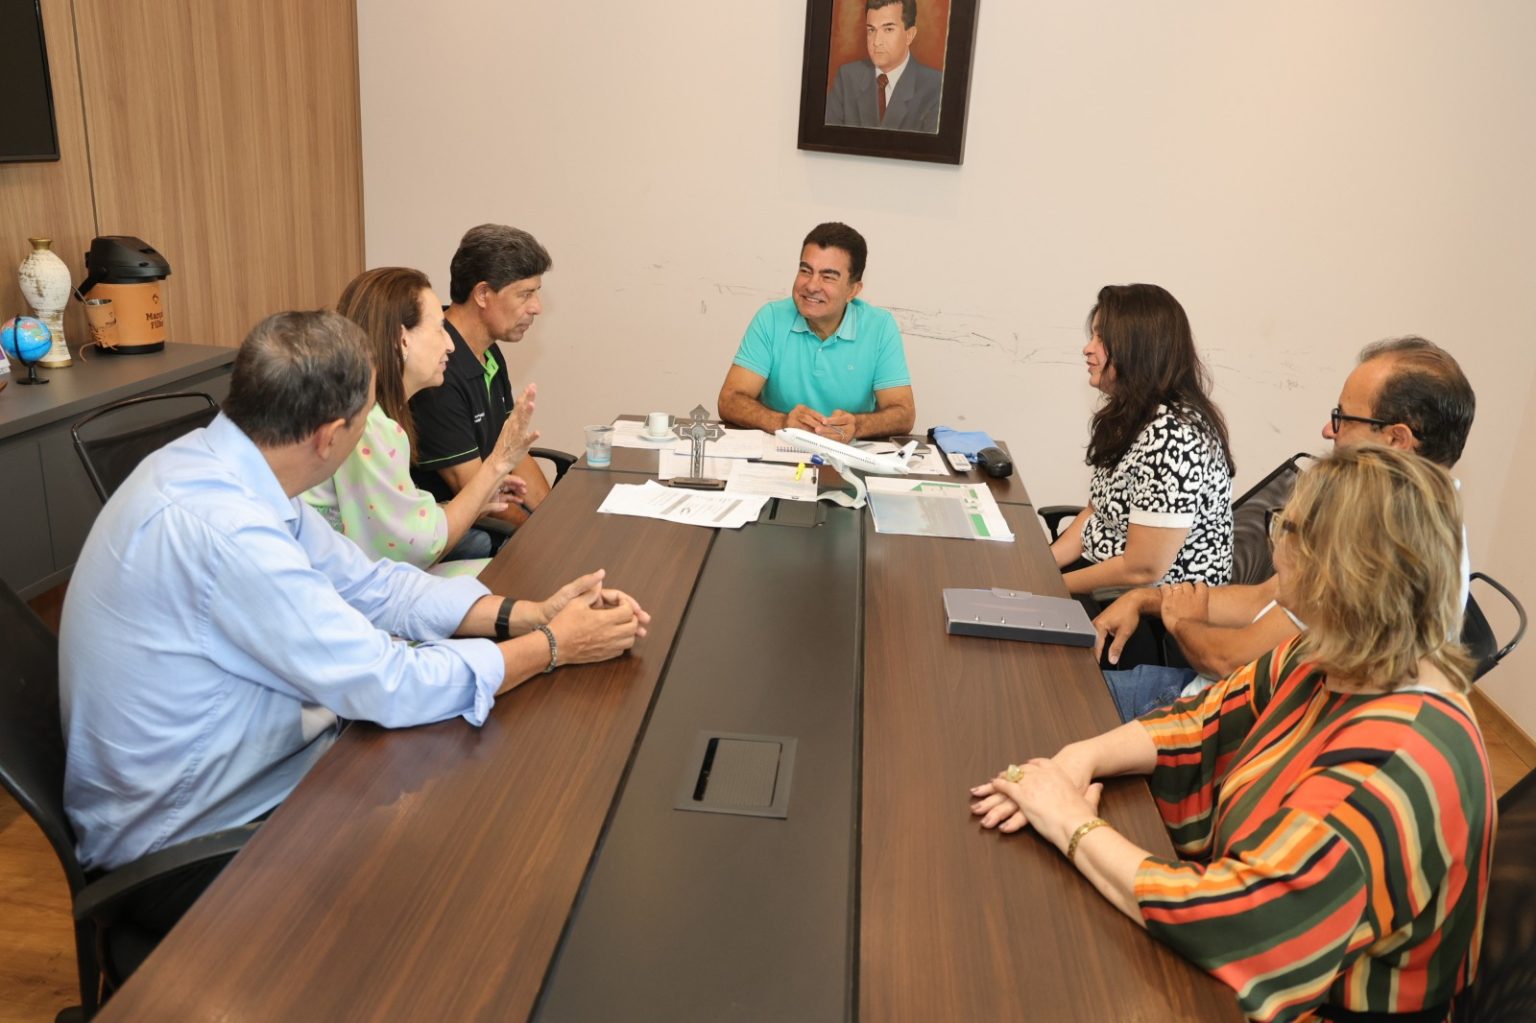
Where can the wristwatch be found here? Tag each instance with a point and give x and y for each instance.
(504, 619)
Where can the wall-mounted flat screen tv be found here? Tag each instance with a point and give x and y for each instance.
(27, 128)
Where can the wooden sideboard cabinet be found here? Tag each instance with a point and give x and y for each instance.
(47, 504)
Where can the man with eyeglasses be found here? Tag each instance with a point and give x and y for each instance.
(1405, 393)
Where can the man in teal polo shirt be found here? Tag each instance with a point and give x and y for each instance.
(822, 360)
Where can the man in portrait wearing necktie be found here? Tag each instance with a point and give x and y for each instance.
(890, 89)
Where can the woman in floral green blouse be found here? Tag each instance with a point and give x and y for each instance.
(371, 499)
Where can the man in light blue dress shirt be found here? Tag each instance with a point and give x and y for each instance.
(822, 360)
(215, 627)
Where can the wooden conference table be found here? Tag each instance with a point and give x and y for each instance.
(545, 866)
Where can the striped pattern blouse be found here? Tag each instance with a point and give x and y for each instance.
(1334, 847)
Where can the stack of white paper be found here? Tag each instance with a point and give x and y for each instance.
(651, 500)
(926, 460)
(744, 477)
(670, 465)
(735, 444)
(930, 508)
(776, 450)
(929, 462)
(768, 480)
(630, 433)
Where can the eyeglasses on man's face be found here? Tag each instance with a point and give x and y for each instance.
(1337, 417)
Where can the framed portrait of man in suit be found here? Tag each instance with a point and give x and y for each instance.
(887, 77)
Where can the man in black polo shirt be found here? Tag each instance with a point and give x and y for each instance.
(494, 286)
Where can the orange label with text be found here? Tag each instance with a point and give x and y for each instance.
(140, 314)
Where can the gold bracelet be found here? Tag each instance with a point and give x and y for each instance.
(1077, 836)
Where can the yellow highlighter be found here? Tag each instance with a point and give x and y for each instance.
(799, 471)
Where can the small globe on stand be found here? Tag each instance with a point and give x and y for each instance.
(26, 340)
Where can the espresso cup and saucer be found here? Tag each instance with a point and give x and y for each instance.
(658, 426)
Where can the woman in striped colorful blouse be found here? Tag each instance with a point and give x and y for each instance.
(1330, 803)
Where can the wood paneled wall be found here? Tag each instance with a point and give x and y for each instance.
(51, 200)
(224, 134)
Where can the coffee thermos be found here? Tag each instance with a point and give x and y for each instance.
(129, 271)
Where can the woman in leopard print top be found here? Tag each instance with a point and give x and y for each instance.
(1160, 502)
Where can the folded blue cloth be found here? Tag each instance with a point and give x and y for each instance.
(962, 442)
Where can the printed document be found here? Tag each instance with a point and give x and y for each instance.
(651, 500)
(744, 477)
(931, 508)
(670, 465)
(735, 444)
(630, 433)
(769, 480)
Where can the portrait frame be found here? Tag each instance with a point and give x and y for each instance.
(947, 145)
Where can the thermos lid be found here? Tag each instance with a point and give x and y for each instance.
(121, 259)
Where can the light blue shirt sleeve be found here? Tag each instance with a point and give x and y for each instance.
(334, 614)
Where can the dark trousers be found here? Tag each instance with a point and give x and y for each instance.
(1143, 646)
(148, 914)
(476, 543)
(157, 906)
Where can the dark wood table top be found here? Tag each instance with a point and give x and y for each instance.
(960, 923)
(429, 873)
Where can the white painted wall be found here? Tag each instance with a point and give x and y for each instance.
(1305, 177)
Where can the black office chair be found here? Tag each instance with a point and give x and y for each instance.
(1477, 635)
(113, 440)
(1252, 560)
(107, 948)
(561, 460)
(1505, 986)
(501, 529)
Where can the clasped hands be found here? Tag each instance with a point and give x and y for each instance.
(1053, 796)
(1185, 600)
(590, 623)
(512, 488)
(839, 425)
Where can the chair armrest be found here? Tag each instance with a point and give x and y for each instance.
(563, 460)
(1053, 514)
(501, 527)
(1107, 595)
(1519, 609)
(101, 899)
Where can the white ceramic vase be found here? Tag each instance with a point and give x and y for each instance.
(46, 285)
